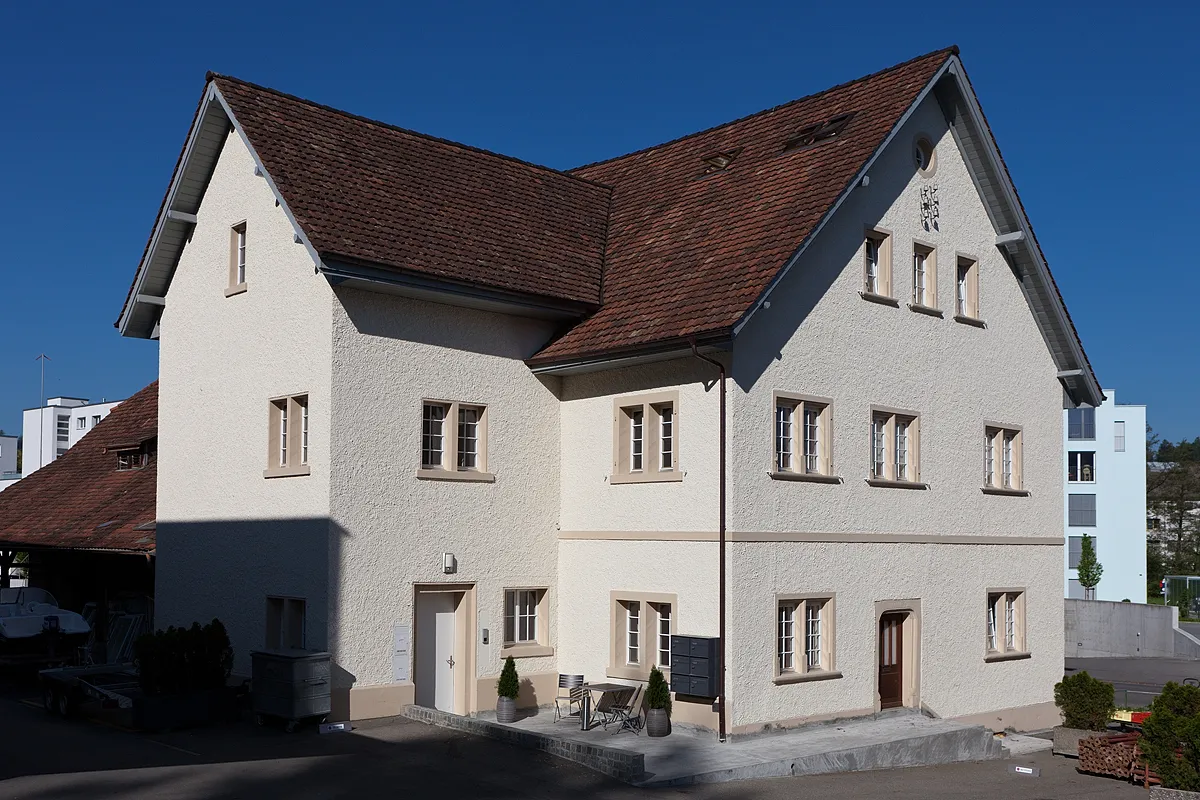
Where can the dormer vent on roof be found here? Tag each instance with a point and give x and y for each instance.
(719, 161)
(818, 132)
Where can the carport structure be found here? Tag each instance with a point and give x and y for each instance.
(87, 519)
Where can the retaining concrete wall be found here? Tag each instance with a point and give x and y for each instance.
(1098, 628)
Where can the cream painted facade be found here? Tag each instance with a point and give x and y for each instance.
(365, 537)
(821, 338)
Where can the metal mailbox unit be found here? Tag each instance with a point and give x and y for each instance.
(696, 665)
(291, 685)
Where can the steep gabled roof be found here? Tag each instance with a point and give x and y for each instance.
(80, 500)
(646, 253)
(688, 255)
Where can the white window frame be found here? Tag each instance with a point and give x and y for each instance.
(1005, 625)
(895, 447)
(529, 605)
(1003, 449)
(237, 259)
(924, 284)
(662, 613)
(240, 264)
(287, 440)
(1119, 436)
(81, 423)
(655, 618)
(666, 437)
(803, 441)
(803, 634)
(966, 290)
(452, 446)
(877, 264)
(646, 443)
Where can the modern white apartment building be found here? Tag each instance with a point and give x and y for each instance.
(8, 461)
(760, 357)
(51, 430)
(1105, 496)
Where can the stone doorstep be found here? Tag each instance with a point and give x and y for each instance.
(1159, 793)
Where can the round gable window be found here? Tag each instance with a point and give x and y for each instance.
(925, 156)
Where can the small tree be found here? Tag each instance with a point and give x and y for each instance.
(658, 694)
(1090, 569)
(1085, 702)
(509, 685)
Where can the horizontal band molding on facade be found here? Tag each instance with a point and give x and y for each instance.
(807, 536)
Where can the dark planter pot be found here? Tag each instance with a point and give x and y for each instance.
(167, 712)
(506, 710)
(658, 724)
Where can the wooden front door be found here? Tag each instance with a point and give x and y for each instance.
(891, 660)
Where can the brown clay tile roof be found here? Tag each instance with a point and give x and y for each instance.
(688, 256)
(80, 500)
(371, 192)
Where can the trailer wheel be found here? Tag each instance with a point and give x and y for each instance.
(49, 702)
(64, 704)
(290, 726)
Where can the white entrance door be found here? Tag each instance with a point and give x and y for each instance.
(435, 650)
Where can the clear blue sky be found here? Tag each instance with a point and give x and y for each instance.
(1096, 111)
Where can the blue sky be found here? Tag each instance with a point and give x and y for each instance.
(1094, 105)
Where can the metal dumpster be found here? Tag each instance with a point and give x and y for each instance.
(290, 685)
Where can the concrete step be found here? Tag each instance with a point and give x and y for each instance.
(869, 744)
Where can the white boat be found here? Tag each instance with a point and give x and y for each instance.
(27, 613)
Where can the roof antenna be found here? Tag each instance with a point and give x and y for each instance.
(42, 357)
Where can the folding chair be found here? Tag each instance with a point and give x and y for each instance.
(630, 714)
(573, 699)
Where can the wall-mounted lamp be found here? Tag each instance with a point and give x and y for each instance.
(449, 563)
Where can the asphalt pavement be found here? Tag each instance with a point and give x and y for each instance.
(43, 757)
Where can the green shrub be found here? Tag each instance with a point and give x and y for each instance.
(180, 660)
(658, 694)
(508, 685)
(1171, 737)
(1084, 701)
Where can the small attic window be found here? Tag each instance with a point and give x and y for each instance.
(817, 132)
(136, 457)
(719, 161)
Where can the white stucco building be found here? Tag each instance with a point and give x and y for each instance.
(1105, 496)
(49, 431)
(8, 461)
(844, 285)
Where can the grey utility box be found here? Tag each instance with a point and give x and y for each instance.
(696, 665)
(290, 684)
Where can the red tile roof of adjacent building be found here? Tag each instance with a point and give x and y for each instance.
(80, 500)
(689, 255)
(370, 192)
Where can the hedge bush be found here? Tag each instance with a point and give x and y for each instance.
(181, 660)
(1171, 737)
(1085, 702)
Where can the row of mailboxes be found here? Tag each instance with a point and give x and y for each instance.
(696, 665)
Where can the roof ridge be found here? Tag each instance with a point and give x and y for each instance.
(947, 51)
(210, 76)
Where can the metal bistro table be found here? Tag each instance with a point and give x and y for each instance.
(585, 714)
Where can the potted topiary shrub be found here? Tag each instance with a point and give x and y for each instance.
(658, 705)
(1170, 741)
(1086, 705)
(507, 689)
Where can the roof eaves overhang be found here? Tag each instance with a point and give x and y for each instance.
(177, 216)
(666, 350)
(341, 271)
(1015, 237)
